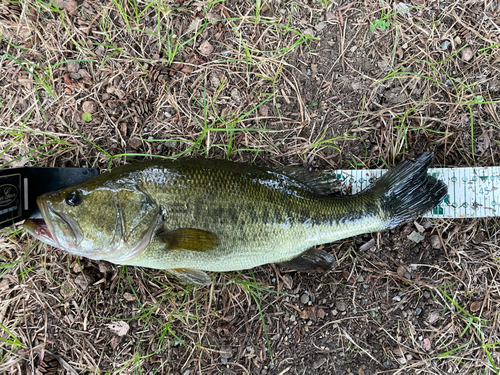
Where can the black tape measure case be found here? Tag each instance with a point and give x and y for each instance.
(19, 188)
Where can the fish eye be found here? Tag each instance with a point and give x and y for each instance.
(73, 198)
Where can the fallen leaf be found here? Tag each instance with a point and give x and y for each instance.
(348, 276)
(415, 237)
(119, 328)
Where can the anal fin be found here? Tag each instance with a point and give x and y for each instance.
(310, 260)
(191, 276)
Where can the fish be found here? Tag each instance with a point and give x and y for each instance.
(190, 216)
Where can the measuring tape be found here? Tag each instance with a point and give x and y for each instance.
(472, 192)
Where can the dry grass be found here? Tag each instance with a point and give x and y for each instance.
(277, 84)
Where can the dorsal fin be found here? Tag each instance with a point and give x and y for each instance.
(321, 182)
(189, 239)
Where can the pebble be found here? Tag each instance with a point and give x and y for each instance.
(88, 106)
(73, 66)
(418, 311)
(387, 364)
(407, 275)
(75, 76)
(445, 44)
(366, 286)
(396, 298)
(304, 298)
(402, 360)
(223, 360)
(435, 242)
(341, 305)
(309, 32)
(372, 314)
(427, 294)
(360, 279)
(292, 318)
(467, 54)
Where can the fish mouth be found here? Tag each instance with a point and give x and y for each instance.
(52, 223)
(39, 229)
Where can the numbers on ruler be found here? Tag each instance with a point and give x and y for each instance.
(484, 191)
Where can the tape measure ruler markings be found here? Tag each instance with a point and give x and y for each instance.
(472, 192)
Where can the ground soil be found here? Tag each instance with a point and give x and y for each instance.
(345, 96)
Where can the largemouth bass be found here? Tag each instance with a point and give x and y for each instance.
(193, 215)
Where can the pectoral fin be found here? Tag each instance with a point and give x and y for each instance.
(189, 239)
(191, 276)
(311, 260)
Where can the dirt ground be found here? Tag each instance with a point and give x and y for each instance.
(339, 84)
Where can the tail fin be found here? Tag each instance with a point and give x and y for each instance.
(406, 191)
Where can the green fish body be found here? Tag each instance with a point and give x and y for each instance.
(194, 215)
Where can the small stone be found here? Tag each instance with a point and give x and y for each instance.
(236, 95)
(373, 314)
(134, 142)
(206, 48)
(226, 352)
(304, 298)
(309, 32)
(366, 286)
(433, 317)
(223, 360)
(435, 242)
(264, 110)
(292, 318)
(407, 275)
(100, 51)
(75, 76)
(418, 311)
(409, 357)
(361, 279)
(320, 26)
(334, 312)
(73, 66)
(467, 54)
(427, 294)
(214, 81)
(445, 44)
(387, 364)
(396, 298)
(402, 360)
(401, 270)
(475, 306)
(89, 106)
(341, 305)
